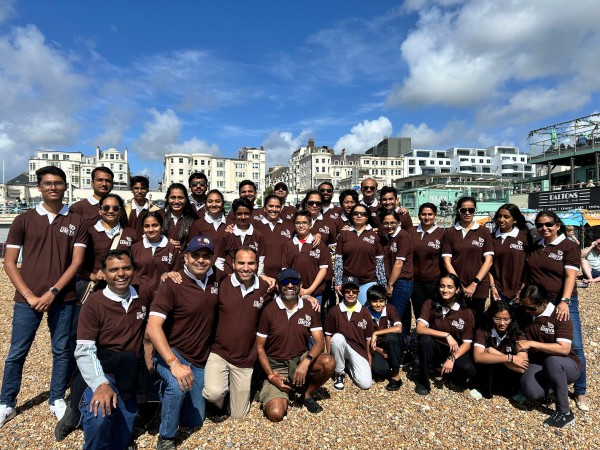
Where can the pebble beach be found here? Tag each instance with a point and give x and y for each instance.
(352, 419)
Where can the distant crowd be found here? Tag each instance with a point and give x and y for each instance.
(161, 310)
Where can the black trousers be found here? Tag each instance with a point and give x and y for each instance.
(497, 378)
(394, 344)
(432, 354)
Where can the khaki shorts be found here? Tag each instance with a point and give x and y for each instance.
(269, 392)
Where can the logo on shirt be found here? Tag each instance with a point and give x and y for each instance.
(334, 216)
(140, 315)
(167, 258)
(362, 324)
(434, 244)
(259, 303)
(458, 324)
(508, 349)
(254, 246)
(548, 328)
(69, 231)
(316, 253)
(478, 243)
(286, 233)
(324, 229)
(127, 241)
(558, 256)
(214, 289)
(394, 247)
(369, 239)
(517, 246)
(304, 321)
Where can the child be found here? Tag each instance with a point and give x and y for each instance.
(348, 331)
(387, 342)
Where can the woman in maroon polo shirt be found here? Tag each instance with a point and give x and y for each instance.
(179, 215)
(348, 199)
(359, 254)
(553, 263)
(511, 244)
(153, 256)
(213, 221)
(427, 240)
(276, 233)
(445, 330)
(468, 252)
(321, 225)
(552, 361)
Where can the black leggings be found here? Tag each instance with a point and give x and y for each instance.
(432, 354)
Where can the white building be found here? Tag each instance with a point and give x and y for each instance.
(224, 174)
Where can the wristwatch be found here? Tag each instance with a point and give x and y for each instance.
(54, 291)
(477, 281)
(567, 300)
(309, 357)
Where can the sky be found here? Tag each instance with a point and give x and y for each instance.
(213, 77)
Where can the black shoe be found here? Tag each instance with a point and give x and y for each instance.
(338, 381)
(165, 444)
(393, 385)
(560, 420)
(312, 406)
(67, 424)
(421, 390)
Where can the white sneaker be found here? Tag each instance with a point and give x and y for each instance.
(6, 413)
(59, 408)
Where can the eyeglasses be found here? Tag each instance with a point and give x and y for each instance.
(351, 291)
(389, 224)
(198, 183)
(467, 210)
(56, 184)
(369, 188)
(313, 203)
(545, 224)
(502, 320)
(292, 281)
(302, 224)
(359, 214)
(107, 208)
(326, 191)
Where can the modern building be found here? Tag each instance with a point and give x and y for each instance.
(224, 174)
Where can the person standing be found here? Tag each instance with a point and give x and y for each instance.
(102, 183)
(198, 183)
(53, 241)
(139, 206)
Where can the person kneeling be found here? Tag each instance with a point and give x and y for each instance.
(282, 341)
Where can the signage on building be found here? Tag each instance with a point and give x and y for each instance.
(585, 198)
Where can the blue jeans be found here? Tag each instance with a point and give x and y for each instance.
(25, 324)
(187, 408)
(111, 431)
(401, 301)
(577, 345)
(362, 292)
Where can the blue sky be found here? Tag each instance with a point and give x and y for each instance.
(192, 76)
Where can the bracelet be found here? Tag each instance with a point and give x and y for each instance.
(27, 294)
(171, 361)
(493, 286)
(446, 337)
(510, 357)
(451, 358)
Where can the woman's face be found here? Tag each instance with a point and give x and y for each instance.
(506, 222)
(272, 209)
(467, 211)
(547, 228)
(214, 204)
(107, 211)
(359, 216)
(501, 321)
(448, 290)
(389, 224)
(176, 201)
(427, 217)
(347, 204)
(313, 204)
(152, 229)
(531, 308)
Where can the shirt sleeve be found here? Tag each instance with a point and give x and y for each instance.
(16, 233)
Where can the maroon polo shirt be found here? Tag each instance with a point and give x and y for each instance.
(340, 222)
(99, 243)
(149, 267)
(324, 226)
(238, 320)
(399, 247)
(359, 253)
(389, 318)
(308, 261)
(287, 337)
(47, 249)
(357, 330)
(274, 240)
(548, 329)
(256, 214)
(490, 339)
(427, 253)
(546, 264)
(103, 320)
(509, 261)
(189, 312)
(231, 242)
(333, 213)
(468, 254)
(202, 227)
(405, 220)
(89, 211)
(458, 322)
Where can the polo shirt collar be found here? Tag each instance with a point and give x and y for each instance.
(548, 311)
(309, 239)
(375, 203)
(431, 230)
(115, 298)
(139, 208)
(110, 233)
(212, 221)
(93, 200)
(367, 228)
(446, 310)
(289, 312)
(357, 308)
(197, 205)
(343, 217)
(198, 281)
(319, 217)
(558, 240)
(512, 233)
(245, 291)
(459, 227)
(163, 242)
(397, 231)
(44, 212)
(266, 221)
(239, 232)
(496, 336)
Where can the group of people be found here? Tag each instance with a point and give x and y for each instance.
(277, 300)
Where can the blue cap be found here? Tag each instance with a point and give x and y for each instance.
(289, 273)
(350, 280)
(198, 243)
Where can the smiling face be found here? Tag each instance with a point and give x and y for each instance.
(467, 212)
(140, 190)
(359, 216)
(377, 304)
(313, 204)
(350, 292)
(326, 192)
(272, 209)
(302, 226)
(427, 218)
(102, 183)
(242, 217)
(448, 290)
(198, 186)
(152, 229)
(506, 222)
(289, 291)
(199, 262)
(108, 213)
(52, 187)
(214, 204)
(547, 227)
(389, 201)
(389, 224)
(248, 192)
(176, 201)
(118, 274)
(244, 266)
(347, 204)
(369, 189)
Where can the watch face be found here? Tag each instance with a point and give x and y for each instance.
(54, 291)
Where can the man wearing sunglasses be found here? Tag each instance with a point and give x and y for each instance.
(326, 191)
(198, 183)
(102, 183)
(282, 343)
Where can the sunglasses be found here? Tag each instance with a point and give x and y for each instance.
(292, 281)
(359, 214)
(369, 188)
(107, 208)
(351, 291)
(545, 224)
(198, 183)
(326, 191)
(313, 203)
(467, 210)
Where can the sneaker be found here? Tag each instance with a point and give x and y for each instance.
(393, 385)
(560, 420)
(338, 381)
(475, 394)
(165, 444)
(67, 424)
(582, 403)
(58, 408)
(6, 413)
(421, 390)
(312, 406)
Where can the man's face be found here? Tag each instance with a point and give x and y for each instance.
(52, 187)
(198, 187)
(289, 291)
(139, 192)
(368, 189)
(281, 192)
(118, 274)
(102, 183)
(389, 201)
(247, 191)
(199, 262)
(326, 192)
(244, 265)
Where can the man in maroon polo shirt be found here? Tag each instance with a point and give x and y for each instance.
(102, 183)
(282, 344)
(198, 183)
(242, 296)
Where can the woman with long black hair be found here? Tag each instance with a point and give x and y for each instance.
(179, 215)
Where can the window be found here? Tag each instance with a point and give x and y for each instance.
(172, 172)
(111, 156)
(65, 157)
(220, 173)
(55, 157)
(411, 170)
(120, 177)
(120, 166)
(256, 165)
(240, 174)
(180, 160)
(256, 176)
(221, 184)
(172, 160)
(411, 162)
(31, 166)
(316, 169)
(195, 162)
(44, 155)
(220, 164)
(202, 162)
(180, 171)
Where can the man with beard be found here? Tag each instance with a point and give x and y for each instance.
(198, 183)
(102, 183)
(326, 191)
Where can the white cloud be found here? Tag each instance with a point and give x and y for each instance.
(453, 134)
(7, 10)
(279, 145)
(364, 135)
(195, 145)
